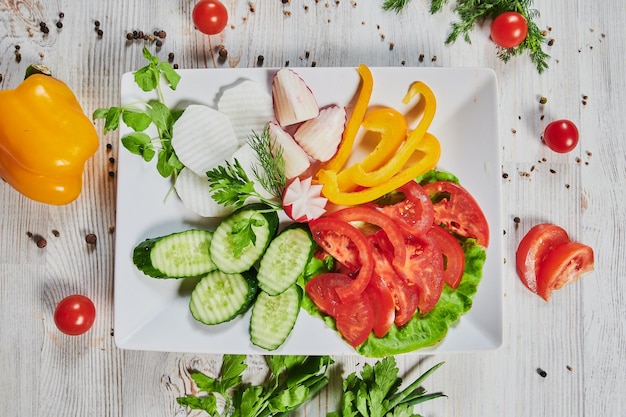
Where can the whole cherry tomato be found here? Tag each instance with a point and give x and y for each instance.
(509, 29)
(561, 136)
(210, 16)
(74, 315)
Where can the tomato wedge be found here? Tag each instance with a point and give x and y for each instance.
(424, 270)
(533, 249)
(405, 299)
(564, 264)
(453, 256)
(383, 306)
(415, 213)
(355, 319)
(458, 211)
(385, 223)
(347, 245)
(322, 290)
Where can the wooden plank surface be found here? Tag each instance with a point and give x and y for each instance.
(579, 338)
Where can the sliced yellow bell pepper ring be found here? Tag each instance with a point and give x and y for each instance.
(428, 152)
(359, 173)
(354, 123)
(391, 125)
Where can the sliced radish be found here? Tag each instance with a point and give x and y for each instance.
(195, 193)
(296, 160)
(293, 100)
(303, 200)
(203, 138)
(320, 137)
(249, 107)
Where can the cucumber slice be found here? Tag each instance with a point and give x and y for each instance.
(177, 255)
(220, 297)
(285, 260)
(273, 317)
(229, 256)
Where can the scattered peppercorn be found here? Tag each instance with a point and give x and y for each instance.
(259, 60)
(59, 24)
(542, 373)
(307, 54)
(61, 15)
(41, 242)
(175, 66)
(552, 171)
(543, 100)
(505, 175)
(569, 368)
(111, 174)
(55, 233)
(112, 160)
(109, 146)
(434, 58)
(170, 56)
(45, 29)
(159, 43)
(162, 34)
(391, 46)
(91, 239)
(18, 57)
(421, 58)
(314, 64)
(516, 220)
(222, 51)
(29, 234)
(551, 42)
(1, 77)
(100, 32)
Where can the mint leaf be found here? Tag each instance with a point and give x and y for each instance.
(162, 118)
(149, 57)
(136, 120)
(111, 118)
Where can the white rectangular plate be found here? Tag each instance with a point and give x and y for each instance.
(153, 314)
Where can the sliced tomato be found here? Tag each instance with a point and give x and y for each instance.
(414, 213)
(533, 249)
(405, 299)
(381, 220)
(458, 211)
(322, 290)
(453, 255)
(355, 320)
(424, 270)
(564, 264)
(348, 246)
(383, 305)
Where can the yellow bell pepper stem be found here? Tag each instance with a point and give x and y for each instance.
(360, 175)
(45, 140)
(354, 123)
(390, 124)
(429, 151)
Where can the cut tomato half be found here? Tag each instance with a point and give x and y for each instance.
(458, 211)
(564, 264)
(453, 256)
(533, 249)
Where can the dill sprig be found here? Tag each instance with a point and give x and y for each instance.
(270, 173)
(472, 12)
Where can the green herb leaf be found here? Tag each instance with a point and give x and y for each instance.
(207, 403)
(395, 5)
(111, 117)
(243, 234)
(147, 78)
(136, 120)
(171, 76)
(140, 144)
(270, 157)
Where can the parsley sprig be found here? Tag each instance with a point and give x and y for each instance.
(292, 381)
(139, 116)
(375, 392)
(472, 12)
(231, 185)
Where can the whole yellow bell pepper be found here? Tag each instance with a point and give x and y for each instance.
(45, 140)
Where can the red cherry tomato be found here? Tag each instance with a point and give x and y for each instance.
(566, 263)
(453, 256)
(561, 136)
(509, 29)
(74, 315)
(533, 249)
(210, 16)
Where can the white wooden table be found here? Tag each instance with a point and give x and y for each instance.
(579, 338)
